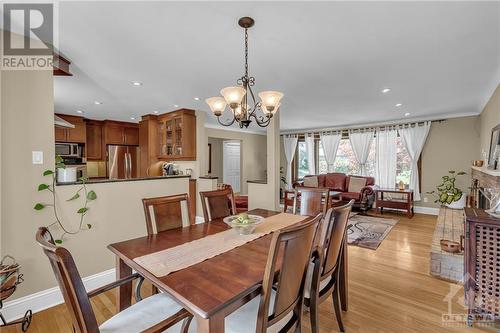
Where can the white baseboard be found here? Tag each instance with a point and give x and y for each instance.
(45, 299)
(426, 210)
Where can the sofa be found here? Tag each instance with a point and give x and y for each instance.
(361, 189)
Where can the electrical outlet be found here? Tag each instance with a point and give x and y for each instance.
(426, 199)
(37, 157)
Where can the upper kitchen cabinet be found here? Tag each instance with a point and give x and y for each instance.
(120, 133)
(177, 135)
(94, 140)
(74, 135)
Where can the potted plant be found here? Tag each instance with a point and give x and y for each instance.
(447, 194)
(283, 181)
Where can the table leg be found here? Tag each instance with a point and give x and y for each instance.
(343, 283)
(214, 324)
(124, 293)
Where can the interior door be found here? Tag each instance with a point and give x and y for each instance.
(231, 157)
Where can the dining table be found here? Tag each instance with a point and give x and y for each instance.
(213, 288)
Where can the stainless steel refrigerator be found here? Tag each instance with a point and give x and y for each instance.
(123, 162)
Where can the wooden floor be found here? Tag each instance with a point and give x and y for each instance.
(390, 290)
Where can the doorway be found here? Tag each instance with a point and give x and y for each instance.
(231, 157)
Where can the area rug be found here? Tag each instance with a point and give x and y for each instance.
(368, 231)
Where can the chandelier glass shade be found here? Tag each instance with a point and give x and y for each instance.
(240, 98)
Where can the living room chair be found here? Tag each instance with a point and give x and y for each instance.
(157, 313)
(218, 204)
(309, 201)
(324, 271)
(279, 307)
(165, 213)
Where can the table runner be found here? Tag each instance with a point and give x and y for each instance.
(182, 256)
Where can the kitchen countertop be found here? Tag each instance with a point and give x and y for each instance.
(106, 180)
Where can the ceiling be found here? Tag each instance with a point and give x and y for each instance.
(330, 59)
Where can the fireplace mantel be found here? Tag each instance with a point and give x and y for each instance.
(483, 178)
(489, 172)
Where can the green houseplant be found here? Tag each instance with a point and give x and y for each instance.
(82, 192)
(447, 194)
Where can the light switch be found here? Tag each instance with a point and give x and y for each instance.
(37, 157)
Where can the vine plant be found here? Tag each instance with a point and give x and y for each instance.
(87, 195)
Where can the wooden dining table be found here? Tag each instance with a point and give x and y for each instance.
(211, 289)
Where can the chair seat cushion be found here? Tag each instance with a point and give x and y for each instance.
(142, 315)
(307, 286)
(244, 320)
(351, 195)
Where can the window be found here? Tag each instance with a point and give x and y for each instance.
(302, 165)
(403, 162)
(346, 162)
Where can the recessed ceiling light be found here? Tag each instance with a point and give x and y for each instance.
(79, 111)
(136, 83)
(156, 112)
(386, 90)
(407, 114)
(176, 105)
(196, 98)
(132, 118)
(399, 105)
(97, 103)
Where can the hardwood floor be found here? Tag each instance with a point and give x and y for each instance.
(390, 290)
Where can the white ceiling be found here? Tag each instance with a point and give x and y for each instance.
(330, 59)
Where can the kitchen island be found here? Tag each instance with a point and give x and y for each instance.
(108, 180)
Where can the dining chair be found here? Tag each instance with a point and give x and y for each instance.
(157, 313)
(324, 271)
(279, 307)
(310, 201)
(217, 204)
(165, 213)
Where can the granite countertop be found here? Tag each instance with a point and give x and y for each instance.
(107, 180)
(208, 177)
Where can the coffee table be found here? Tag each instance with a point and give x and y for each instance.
(403, 199)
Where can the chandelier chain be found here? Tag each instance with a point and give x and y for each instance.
(246, 52)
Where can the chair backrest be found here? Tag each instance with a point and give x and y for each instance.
(335, 224)
(218, 204)
(310, 201)
(294, 247)
(168, 212)
(70, 283)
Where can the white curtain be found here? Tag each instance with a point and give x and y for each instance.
(289, 144)
(309, 138)
(414, 140)
(386, 158)
(330, 143)
(361, 143)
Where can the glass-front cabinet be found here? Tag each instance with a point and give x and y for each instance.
(177, 135)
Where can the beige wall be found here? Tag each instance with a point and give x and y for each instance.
(451, 145)
(489, 118)
(27, 125)
(253, 153)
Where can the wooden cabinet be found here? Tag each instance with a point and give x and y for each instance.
(177, 135)
(94, 140)
(74, 135)
(120, 133)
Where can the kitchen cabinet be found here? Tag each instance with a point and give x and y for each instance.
(177, 135)
(120, 133)
(73, 135)
(94, 144)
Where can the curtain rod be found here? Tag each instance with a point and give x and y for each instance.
(373, 127)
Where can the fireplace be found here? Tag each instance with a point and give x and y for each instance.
(483, 178)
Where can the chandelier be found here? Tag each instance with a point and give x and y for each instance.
(241, 99)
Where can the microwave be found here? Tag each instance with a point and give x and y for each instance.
(69, 150)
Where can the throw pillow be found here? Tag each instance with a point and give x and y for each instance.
(356, 184)
(311, 181)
